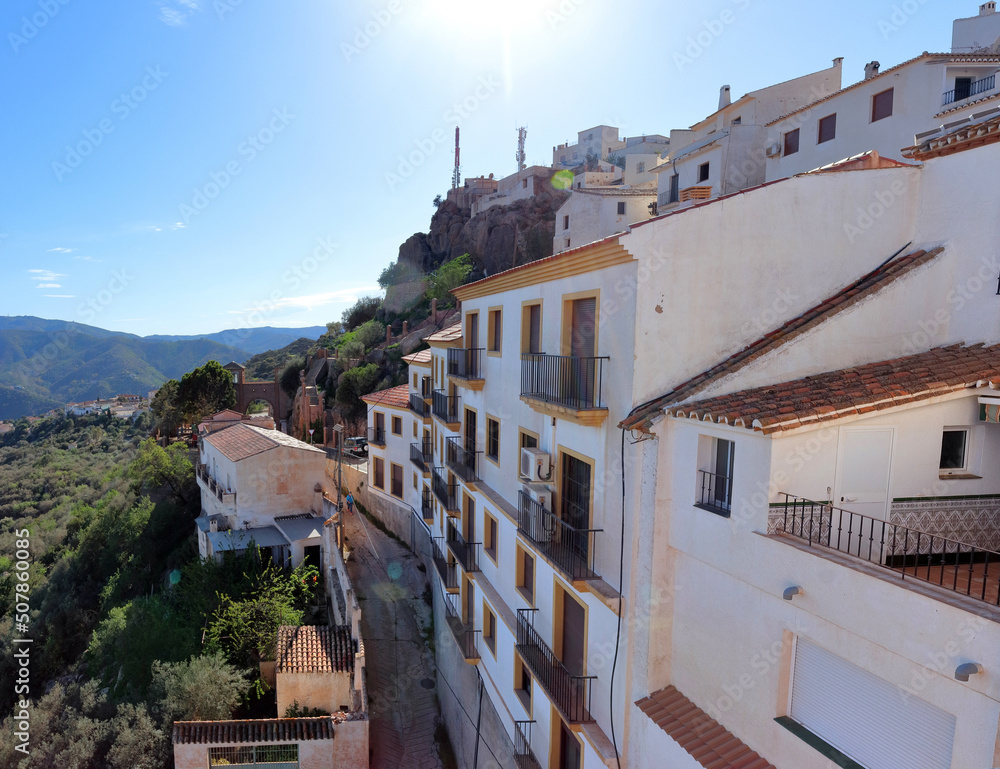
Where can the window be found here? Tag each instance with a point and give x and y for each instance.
(954, 451)
(493, 438)
(640, 167)
(524, 184)
(378, 473)
(674, 188)
(396, 473)
(528, 441)
(379, 436)
(397, 425)
(963, 88)
(882, 105)
(522, 683)
(490, 629)
(490, 536)
(792, 142)
(738, 120)
(525, 575)
(567, 243)
(566, 221)
(254, 755)
(715, 485)
(494, 331)
(414, 481)
(414, 429)
(621, 208)
(414, 380)
(531, 327)
(703, 172)
(827, 128)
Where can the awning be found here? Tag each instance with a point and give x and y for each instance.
(239, 539)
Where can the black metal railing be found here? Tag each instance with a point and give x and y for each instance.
(446, 569)
(563, 380)
(418, 405)
(524, 757)
(948, 563)
(465, 362)
(570, 693)
(426, 505)
(466, 553)
(376, 436)
(715, 493)
(461, 461)
(422, 454)
(213, 486)
(465, 636)
(445, 407)
(966, 90)
(444, 491)
(571, 549)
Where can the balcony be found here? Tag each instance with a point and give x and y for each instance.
(445, 407)
(444, 491)
(465, 637)
(422, 454)
(446, 569)
(466, 363)
(466, 553)
(572, 550)
(210, 484)
(956, 566)
(461, 461)
(418, 405)
(376, 436)
(524, 758)
(967, 90)
(569, 693)
(715, 493)
(426, 505)
(571, 386)
(696, 193)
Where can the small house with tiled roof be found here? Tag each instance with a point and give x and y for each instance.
(314, 666)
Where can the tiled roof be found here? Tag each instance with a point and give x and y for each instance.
(853, 391)
(617, 192)
(314, 649)
(847, 297)
(226, 415)
(865, 161)
(394, 397)
(242, 440)
(699, 734)
(964, 138)
(258, 730)
(966, 103)
(450, 334)
(422, 358)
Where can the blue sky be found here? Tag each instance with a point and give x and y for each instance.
(184, 166)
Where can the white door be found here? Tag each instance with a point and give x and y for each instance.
(863, 462)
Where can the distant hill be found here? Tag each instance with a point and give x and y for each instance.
(16, 403)
(253, 340)
(262, 365)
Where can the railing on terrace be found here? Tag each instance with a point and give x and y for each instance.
(463, 462)
(715, 493)
(426, 505)
(376, 436)
(465, 637)
(466, 363)
(422, 454)
(213, 486)
(563, 380)
(448, 571)
(524, 757)
(444, 491)
(572, 550)
(962, 568)
(570, 693)
(445, 407)
(974, 88)
(466, 553)
(418, 405)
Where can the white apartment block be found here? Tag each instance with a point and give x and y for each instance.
(599, 141)
(591, 214)
(522, 185)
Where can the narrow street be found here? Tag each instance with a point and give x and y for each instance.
(395, 622)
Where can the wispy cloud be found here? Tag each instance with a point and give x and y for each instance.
(309, 301)
(61, 296)
(178, 226)
(49, 285)
(86, 258)
(46, 276)
(174, 13)
(62, 250)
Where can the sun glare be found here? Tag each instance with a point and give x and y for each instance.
(502, 17)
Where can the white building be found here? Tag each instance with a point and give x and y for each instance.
(597, 212)
(522, 185)
(977, 33)
(599, 141)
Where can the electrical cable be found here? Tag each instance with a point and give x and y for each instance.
(466, 712)
(621, 598)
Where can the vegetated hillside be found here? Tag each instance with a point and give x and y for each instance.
(253, 340)
(262, 365)
(14, 403)
(31, 323)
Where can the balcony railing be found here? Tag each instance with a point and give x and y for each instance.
(448, 571)
(445, 406)
(715, 493)
(418, 405)
(948, 563)
(215, 488)
(465, 637)
(570, 693)
(465, 363)
(426, 505)
(974, 88)
(422, 454)
(563, 380)
(524, 757)
(376, 436)
(572, 550)
(461, 461)
(444, 491)
(466, 553)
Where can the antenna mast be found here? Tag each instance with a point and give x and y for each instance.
(456, 176)
(522, 133)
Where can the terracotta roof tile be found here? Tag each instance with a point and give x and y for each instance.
(450, 334)
(862, 288)
(422, 358)
(250, 731)
(242, 440)
(314, 649)
(849, 392)
(704, 738)
(394, 397)
(963, 138)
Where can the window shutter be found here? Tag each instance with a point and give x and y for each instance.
(584, 336)
(535, 329)
(874, 722)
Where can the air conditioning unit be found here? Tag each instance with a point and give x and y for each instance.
(774, 149)
(540, 494)
(540, 525)
(536, 465)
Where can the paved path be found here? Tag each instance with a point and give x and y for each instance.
(395, 621)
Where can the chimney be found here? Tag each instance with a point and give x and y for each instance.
(987, 8)
(213, 525)
(871, 69)
(838, 62)
(388, 334)
(724, 99)
(406, 327)
(434, 309)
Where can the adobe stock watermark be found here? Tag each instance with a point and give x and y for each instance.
(220, 180)
(22, 644)
(32, 25)
(559, 15)
(366, 33)
(901, 14)
(486, 86)
(881, 201)
(121, 108)
(712, 29)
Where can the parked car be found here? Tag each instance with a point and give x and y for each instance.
(357, 445)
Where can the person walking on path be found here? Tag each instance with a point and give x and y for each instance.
(350, 503)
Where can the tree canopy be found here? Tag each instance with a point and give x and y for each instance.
(205, 391)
